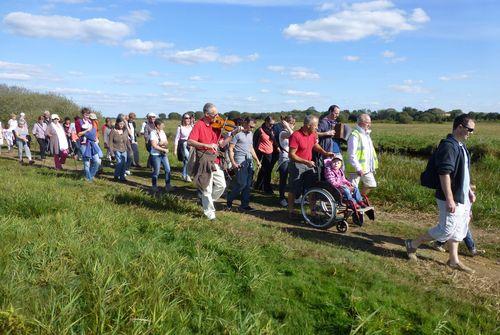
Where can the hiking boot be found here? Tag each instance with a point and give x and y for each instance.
(410, 251)
(460, 267)
(437, 246)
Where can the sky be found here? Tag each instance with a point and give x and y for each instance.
(167, 56)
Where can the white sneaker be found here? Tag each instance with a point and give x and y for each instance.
(284, 203)
(127, 173)
(188, 179)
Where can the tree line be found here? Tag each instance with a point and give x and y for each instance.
(406, 115)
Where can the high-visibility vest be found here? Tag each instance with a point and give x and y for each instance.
(361, 154)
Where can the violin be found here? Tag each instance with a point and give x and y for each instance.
(224, 124)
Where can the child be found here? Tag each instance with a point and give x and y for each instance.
(8, 135)
(335, 176)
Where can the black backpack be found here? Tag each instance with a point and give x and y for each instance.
(430, 177)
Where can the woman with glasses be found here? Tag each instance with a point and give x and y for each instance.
(180, 144)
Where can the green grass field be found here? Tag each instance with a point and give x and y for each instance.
(108, 258)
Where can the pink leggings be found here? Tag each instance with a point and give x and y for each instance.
(60, 159)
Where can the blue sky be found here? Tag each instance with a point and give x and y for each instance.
(255, 55)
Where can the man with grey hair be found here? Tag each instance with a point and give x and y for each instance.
(302, 143)
(208, 175)
(362, 159)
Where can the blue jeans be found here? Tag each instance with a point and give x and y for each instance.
(355, 196)
(186, 159)
(121, 164)
(23, 145)
(241, 183)
(91, 166)
(157, 161)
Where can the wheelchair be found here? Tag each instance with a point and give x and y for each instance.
(323, 207)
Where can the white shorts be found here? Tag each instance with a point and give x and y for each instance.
(367, 179)
(451, 226)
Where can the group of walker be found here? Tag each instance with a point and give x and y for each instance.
(310, 164)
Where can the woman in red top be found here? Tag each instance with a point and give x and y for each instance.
(264, 143)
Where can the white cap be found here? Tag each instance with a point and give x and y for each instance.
(55, 116)
(92, 116)
(151, 115)
(22, 115)
(337, 156)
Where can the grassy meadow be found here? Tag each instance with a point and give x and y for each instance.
(108, 258)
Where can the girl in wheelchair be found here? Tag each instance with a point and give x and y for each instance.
(334, 174)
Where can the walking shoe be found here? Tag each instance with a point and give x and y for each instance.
(298, 200)
(437, 246)
(476, 252)
(188, 179)
(31, 162)
(168, 188)
(460, 267)
(228, 208)
(410, 251)
(283, 202)
(247, 209)
(128, 173)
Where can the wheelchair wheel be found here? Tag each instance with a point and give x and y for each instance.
(319, 208)
(342, 226)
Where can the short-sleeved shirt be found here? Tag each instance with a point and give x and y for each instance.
(243, 143)
(265, 142)
(161, 138)
(303, 143)
(204, 133)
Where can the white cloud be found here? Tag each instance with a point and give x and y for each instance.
(327, 6)
(265, 91)
(351, 58)
(14, 76)
(69, 2)
(196, 78)
(144, 47)
(419, 16)
(20, 71)
(388, 54)
(136, 17)
(276, 68)
(410, 86)
(154, 74)
(66, 27)
(250, 99)
(301, 93)
(169, 84)
(452, 77)
(298, 73)
(302, 73)
(358, 21)
(253, 57)
(391, 55)
(208, 54)
(75, 73)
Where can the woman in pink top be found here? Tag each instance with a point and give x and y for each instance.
(335, 176)
(264, 143)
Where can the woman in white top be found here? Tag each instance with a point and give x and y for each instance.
(22, 141)
(159, 153)
(288, 125)
(57, 141)
(180, 143)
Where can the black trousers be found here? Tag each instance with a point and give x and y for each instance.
(43, 146)
(263, 181)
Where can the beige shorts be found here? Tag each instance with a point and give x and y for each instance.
(367, 179)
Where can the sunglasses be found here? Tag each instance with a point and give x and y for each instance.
(470, 130)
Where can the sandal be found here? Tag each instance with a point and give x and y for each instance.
(461, 267)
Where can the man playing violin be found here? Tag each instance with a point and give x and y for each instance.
(209, 176)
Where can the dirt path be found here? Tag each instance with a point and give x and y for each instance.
(382, 237)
